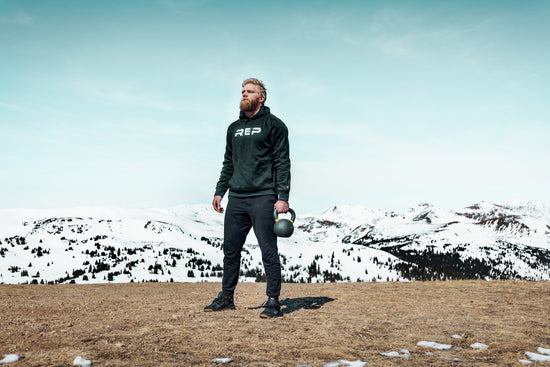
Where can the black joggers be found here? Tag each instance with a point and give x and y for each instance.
(241, 215)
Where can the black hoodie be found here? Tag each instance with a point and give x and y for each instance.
(256, 160)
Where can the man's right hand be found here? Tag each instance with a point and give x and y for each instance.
(217, 203)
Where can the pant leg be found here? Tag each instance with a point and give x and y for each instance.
(261, 213)
(237, 224)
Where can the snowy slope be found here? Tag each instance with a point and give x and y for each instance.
(503, 241)
(346, 243)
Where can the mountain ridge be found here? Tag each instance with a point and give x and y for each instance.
(509, 240)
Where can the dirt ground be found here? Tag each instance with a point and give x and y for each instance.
(163, 324)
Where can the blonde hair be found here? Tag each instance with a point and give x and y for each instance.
(259, 83)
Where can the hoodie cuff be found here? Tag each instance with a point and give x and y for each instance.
(283, 196)
(220, 193)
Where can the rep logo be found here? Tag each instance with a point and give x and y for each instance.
(248, 131)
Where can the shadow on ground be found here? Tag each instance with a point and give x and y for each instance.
(290, 305)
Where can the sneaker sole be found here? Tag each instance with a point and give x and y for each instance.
(223, 309)
(264, 316)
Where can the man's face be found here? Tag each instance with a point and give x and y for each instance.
(251, 99)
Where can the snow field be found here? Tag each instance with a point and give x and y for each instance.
(60, 246)
(543, 354)
(65, 245)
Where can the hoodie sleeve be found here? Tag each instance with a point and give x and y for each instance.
(281, 160)
(227, 168)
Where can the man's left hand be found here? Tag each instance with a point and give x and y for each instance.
(281, 206)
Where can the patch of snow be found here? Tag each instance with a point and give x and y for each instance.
(434, 345)
(345, 363)
(543, 350)
(403, 353)
(479, 346)
(223, 360)
(9, 358)
(538, 357)
(79, 361)
(525, 361)
(456, 336)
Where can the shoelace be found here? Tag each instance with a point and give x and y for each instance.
(265, 303)
(221, 301)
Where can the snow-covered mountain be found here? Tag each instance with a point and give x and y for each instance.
(346, 243)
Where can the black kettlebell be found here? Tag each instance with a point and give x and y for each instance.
(283, 227)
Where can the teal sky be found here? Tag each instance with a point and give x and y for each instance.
(388, 103)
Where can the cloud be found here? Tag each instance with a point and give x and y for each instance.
(13, 107)
(19, 19)
(396, 33)
(125, 94)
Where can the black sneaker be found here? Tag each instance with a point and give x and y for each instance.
(272, 309)
(221, 303)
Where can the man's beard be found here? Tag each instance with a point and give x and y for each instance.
(248, 105)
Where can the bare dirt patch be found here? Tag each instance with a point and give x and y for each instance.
(163, 324)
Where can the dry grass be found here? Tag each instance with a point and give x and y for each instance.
(163, 324)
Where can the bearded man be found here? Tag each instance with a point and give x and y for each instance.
(256, 171)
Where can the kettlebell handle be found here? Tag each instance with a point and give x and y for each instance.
(292, 215)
